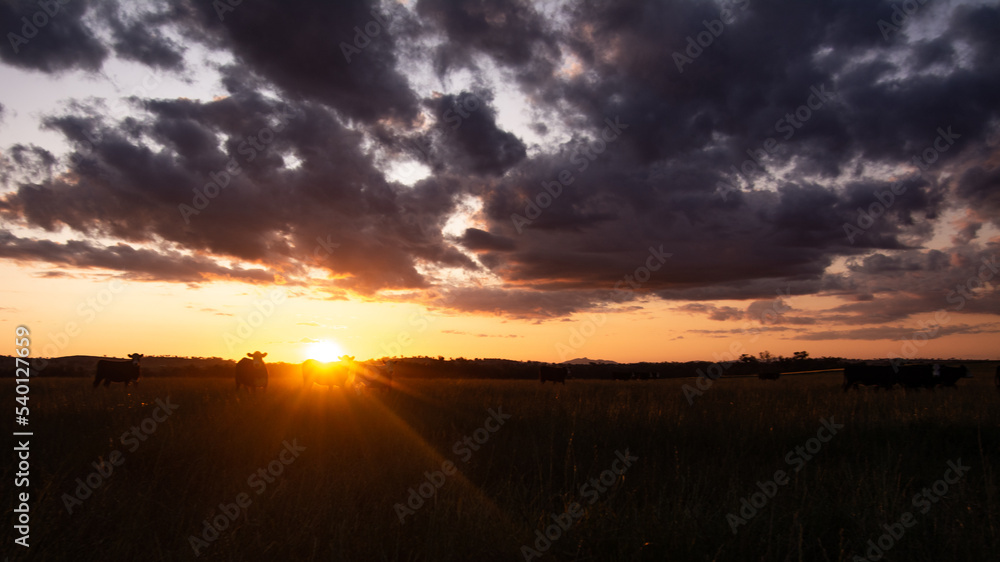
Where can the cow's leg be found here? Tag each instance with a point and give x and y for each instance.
(97, 381)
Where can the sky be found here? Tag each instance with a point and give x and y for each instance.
(621, 180)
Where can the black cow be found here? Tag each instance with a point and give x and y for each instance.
(622, 375)
(879, 376)
(554, 374)
(929, 376)
(252, 372)
(769, 376)
(118, 371)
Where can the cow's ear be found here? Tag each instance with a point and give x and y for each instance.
(264, 355)
(248, 355)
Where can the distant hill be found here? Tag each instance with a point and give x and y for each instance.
(585, 361)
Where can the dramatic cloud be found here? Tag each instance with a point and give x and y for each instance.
(39, 40)
(616, 152)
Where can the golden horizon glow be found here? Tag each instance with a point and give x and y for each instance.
(97, 313)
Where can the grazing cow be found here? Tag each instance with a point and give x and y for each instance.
(251, 372)
(769, 376)
(622, 375)
(929, 376)
(327, 374)
(118, 371)
(554, 374)
(378, 377)
(879, 376)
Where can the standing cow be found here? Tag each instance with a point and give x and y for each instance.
(554, 374)
(118, 371)
(251, 372)
(929, 376)
(378, 377)
(327, 374)
(879, 376)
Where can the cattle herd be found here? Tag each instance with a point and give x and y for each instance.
(909, 377)
(251, 372)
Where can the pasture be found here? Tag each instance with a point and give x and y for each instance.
(359, 455)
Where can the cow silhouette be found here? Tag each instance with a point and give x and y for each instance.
(554, 374)
(118, 371)
(251, 372)
(338, 373)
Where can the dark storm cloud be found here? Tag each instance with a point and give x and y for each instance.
(36, 39)
(26, 164)
(748, 159)
(142, 264)
(510, 32)
(140, 39)
(335, 210)
(882, 264)
(480, 240)
(471, 141)
(963, 280)
(464, 140)
(659, 181)
(298, 45)
(981, 188)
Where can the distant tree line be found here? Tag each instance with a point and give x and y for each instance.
(424, 367)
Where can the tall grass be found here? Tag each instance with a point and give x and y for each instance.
(363, 454)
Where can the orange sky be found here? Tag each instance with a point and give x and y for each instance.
(95, 314)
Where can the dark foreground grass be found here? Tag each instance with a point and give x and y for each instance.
(363, 454)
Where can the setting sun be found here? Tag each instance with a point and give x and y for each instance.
(324, 350)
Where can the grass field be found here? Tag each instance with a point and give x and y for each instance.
(362, 454)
